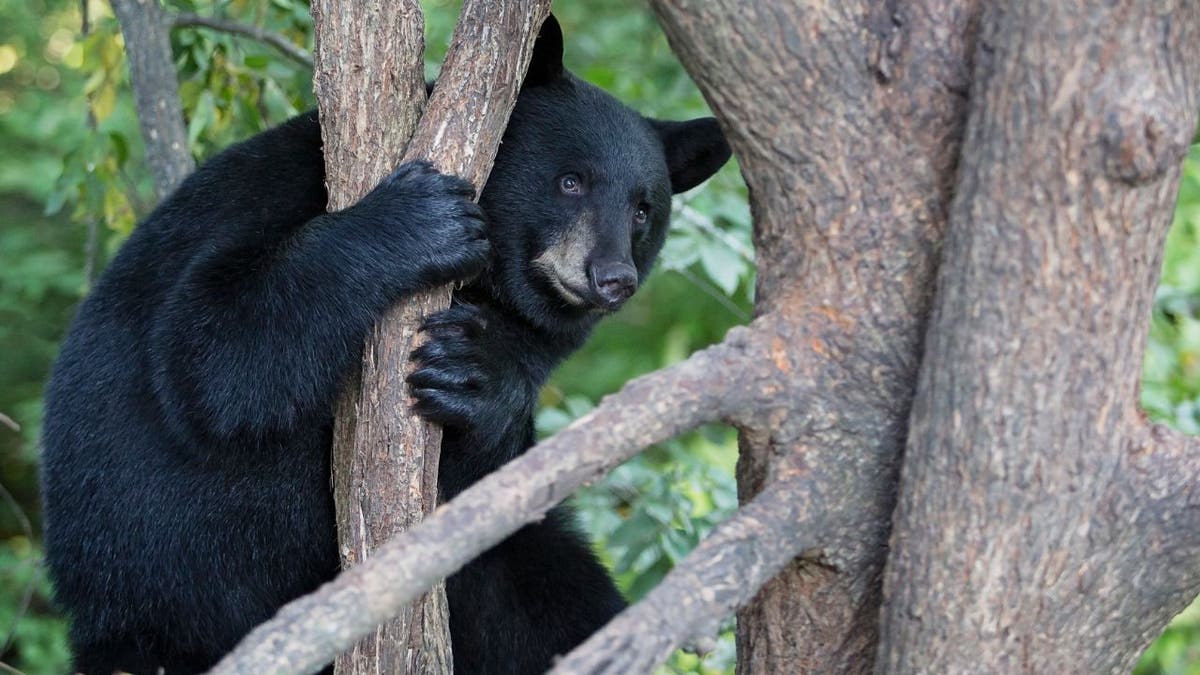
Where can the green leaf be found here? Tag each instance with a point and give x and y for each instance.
(722, 265)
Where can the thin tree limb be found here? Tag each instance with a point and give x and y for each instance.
(384, 457)
(720, 576)
(279, 42)
(370, 87)
(144, 27)
(717, 383)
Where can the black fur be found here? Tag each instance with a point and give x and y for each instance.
(186, 470)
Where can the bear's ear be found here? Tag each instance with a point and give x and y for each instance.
(695, 150)
(546, 65)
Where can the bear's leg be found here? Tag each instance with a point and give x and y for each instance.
(534, 597)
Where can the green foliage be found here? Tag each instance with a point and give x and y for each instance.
(39, 640)
(233, 87)
(1171, 386)
(73, 181)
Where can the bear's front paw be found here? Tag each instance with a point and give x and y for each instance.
(459, 382)
(442, 231)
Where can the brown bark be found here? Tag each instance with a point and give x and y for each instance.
(719, 383)
(384, 457)
(1025, 539)
(369, 81)
(145, 28)
(845, 118)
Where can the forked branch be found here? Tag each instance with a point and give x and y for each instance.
(717, 383)
(721, 575)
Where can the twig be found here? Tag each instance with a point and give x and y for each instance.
(284, 45)
(721, 575)
(716, 383)
(9, 422)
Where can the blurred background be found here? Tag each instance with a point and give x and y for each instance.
(74, 181)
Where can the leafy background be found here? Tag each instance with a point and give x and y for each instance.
(73, 182)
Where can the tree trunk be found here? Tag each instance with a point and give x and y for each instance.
(1035, 531)
(145, 28)
(370, 87)
(846, 124)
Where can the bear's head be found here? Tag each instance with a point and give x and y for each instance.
(579, 198)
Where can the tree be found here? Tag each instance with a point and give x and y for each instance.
(959, 212)
(370, 86)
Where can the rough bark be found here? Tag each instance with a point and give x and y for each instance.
(369, 81)
(1022, 517)
(845, 118)
(145, 28)
(719, 383)
(384, 457)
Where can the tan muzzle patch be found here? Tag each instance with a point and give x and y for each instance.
(565, 262)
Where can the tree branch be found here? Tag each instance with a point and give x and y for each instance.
(156, 91)
(721, 575)
(1166, 465)
(385, 458)
(718, 383)
(1171, 445)
(284, 45)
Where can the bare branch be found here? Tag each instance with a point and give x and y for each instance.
(284, 45)
(717, 383)
(144, 26)
(721, 575)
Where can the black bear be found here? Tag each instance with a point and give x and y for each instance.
(188, 418)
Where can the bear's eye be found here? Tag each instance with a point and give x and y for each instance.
(641, 215)
(570, 184)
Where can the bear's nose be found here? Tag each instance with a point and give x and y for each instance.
(614, 282)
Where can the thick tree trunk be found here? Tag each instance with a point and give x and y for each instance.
(370, 84)
(846, 119)
(1034, 533)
